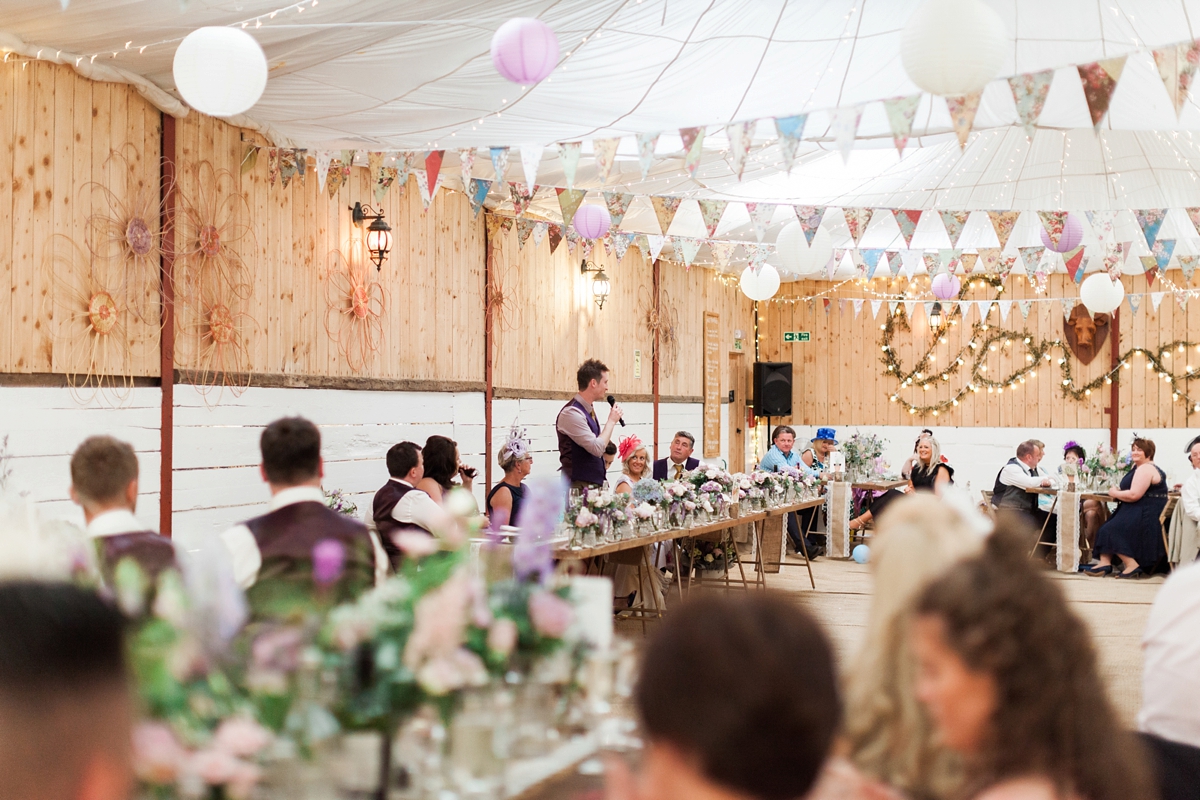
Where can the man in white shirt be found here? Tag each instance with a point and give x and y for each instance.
(400, 506)
(1023, 473)
(104, 482)
(283, 542)
(1170, 715)
(1185, 538)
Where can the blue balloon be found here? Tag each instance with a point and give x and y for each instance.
(862, 554)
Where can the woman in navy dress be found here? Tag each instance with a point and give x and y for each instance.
(1134, 532)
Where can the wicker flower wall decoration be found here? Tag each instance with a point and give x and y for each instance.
(502, 296)
(212, 231)
(92, 331)
(355, 303)
(123, 235)
(663, 320)
(214, 345)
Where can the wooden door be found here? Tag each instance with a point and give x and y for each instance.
(739, 384)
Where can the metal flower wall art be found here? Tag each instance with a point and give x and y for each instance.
(355, 302)
(123, 233)
(92, 331)
(214, 344)
(664, 320)
(212, 232)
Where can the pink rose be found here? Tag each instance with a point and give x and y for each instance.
(550, 614)
(241, 736)
(157, 754)
(415, 544)
(502, 636)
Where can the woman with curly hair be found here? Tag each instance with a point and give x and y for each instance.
(441, 465)
(1008, 675)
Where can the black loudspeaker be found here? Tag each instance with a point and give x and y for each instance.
(772, 388)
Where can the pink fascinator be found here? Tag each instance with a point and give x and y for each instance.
(627, 447)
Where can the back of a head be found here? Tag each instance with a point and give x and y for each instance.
(760, 735)
(63, 691)
(291, 451)
(402, 457)
(101, 469)
(441, 459)
(1002, 616)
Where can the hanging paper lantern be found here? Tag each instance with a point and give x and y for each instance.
(1069, 239)
(791, 246)
(814, 257)
(946, 286)
(953, 47)
(524, 50)
(761, 285)
(592, 222)
(220, 71)
(1101, 294)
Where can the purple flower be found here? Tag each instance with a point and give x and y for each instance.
(329, 558)
(542, 511)
(710, 486)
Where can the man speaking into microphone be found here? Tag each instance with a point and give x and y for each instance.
(581, 440)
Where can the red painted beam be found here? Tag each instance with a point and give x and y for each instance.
(167, 183)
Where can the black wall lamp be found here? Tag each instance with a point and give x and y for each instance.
(379, 233)
(601, 285)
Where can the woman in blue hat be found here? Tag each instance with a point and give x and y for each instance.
(822, 445)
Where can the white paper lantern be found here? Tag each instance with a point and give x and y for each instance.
(220, 71)
(813, 258)
(760, 286)
(953, 47)
(1101, 294)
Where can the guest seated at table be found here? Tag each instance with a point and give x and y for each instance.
(504, 500)
(623, 566)
(610, 455)
(781, 456)
(1008, 674)
(906, 470)
(1023, 473)
(1170, 715)
(1185, 537)
(399, 506)
(1134, 534)
(680, 460)
(817, 453)
(752, 735)
(104, 482)
(888, 735)
(1092, 513)
(930, 473)
(634, 459)
(441, 467)
(282, 544)
(66, 715)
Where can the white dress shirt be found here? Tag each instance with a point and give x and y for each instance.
(244, 552)
(1189, 495)
(418, 508)
(1171, 663)
(1019, 474)
(114, 523)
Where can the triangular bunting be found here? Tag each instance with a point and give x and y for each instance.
(858, 304)
(900, 114)
(933, 264)
(844, 122)
(954, 221)
(531, 157)
(857, 220)
(433, 165)
(1099, 80)
(569, 201)
(1024, 305)
(654, 246)
(790, 131)
(521, 199)
(1074, 263)
(985, 308)
(989, 260)
(1005, 308)
(949, 259)
(1181, 298)
(477, 191)
(1156, 299)
(1177, 66)
(893, 305)
(871, 257)
(1067, 303)
(1053, 223)
(1003, 223)
(1162, 250)
(710, 212)
(427, 192)
(688, 248)
(962, 115)
(1194, 216)
(1188, 265)
(741, 136)
(621, 241)
(499, 161)
(909, 305)
(665, 209)
(539, 232)
(907, 219)
(810, 219)
(339, 172)
(466, 165)
(324, 159)
(1029, 93)
(556, 237)
(618, 206)
(968, 261)
(895, 261)
(605, 151)
(382, 176)
(645, 145)
(1030, 256)
(1150, 220)
(524, 229)
(760, 217)
(693, 148)
(875, 306)
(1135, 301)
(568, 154)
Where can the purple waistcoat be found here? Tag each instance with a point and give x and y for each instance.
(153, 553)
(385, 502)
(286, 537)
(578, 464)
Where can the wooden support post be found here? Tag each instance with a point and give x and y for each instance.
(166, 366)
(657, 281)
(488, 392)
(1114, 412)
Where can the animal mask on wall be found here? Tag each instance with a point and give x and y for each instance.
(1085, 334)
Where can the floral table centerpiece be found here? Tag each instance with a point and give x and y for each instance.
(1105, 467)
(714, 490)
(864, 453)
(681, 503)
(648, 500)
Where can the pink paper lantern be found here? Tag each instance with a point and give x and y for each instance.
(1072, 235)
(524, 50)
(946, 286)
(592, 222)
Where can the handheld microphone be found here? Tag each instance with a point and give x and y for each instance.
(612, 401)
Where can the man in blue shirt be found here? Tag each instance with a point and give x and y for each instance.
(781, 455)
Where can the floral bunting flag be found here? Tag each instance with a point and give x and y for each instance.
(933, 264)
(1156, 299)
(605, 151)
(989, 259)
(693, 148)
(1099, 80)
(1068, 303)
(1006, 267)
(1194, 216)
(722, 251)
(912, 260)
(1103, 224)
(499, 162)
(1114, 257)
(568, 202)
(1177, 66)
(962, 115)
(621, 241)
(1039, 281)
(1003, 223)
(645, 145)
(900, 113)
(1029, 93)
(1162, 250)
(520, 198)
(857, 220)
(858, 304)
(1053, 222)
(643, 244)
(844, 123)
(871, 257)
(339, 172)
(1030, 256)
(860, 266)
(834, 263)
(608, 243)
(568, 154)
(790, 131)
(1005, 309)
(1074, 263)
(760, 217)
(618, 206)
(466, 164)
(895, 261)
(907, 219)
(1188, 265)
(427, 192)
(1150, 220)
(875, 306)
(524, 229)
(1134, 302)
(477, 191)
(531, 157)
(382, 176)
(301, 163)
(688, 247)
(1024, 305)
(810, 219)
(949, 259)
(586, 246)
(1181, 298)
(710, 212)
(665, 209)
(968, 262)
(758, 252)
(654, 245)
(954, 221)
(741, 137)
(324, 159)
(404, 164)
(556, 236)
(272, 165)
(539, 232)
(287, 165)
(433, 165)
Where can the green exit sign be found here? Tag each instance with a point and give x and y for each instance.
(797, 336)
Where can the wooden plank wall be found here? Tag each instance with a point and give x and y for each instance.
(555, 324)
(839, 378)
(57, 131)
